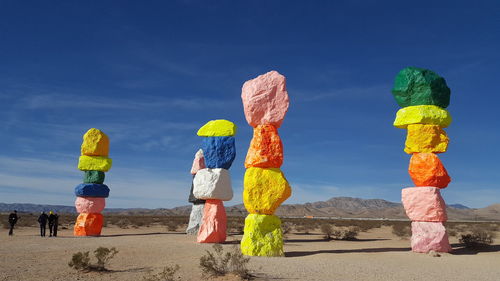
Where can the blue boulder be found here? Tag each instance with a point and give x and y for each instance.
(219, 152)
(92, 190)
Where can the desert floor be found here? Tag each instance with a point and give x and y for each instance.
(377, 255)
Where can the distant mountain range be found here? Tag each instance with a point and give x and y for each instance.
(338, 207)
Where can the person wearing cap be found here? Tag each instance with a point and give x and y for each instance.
(52, 224)
(12, 221)
(42, 220)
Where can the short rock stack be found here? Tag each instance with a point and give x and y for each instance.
(423, 96)
(92, 192)
(196, 216)
(213, 183)
(265, 101)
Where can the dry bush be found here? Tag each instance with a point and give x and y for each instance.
(286, 228)
(479, 236)
(236, 225)
(81, 260)
(221, 263)
(401, 230)
(123, 223)
(345, 233)
(172, 225)
(167, 274)
(327, 230)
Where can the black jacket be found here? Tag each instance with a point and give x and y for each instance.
(42, 219)
(13, 218)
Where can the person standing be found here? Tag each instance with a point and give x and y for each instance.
(42, 220)
(12, 221)
(56, 224)
(52, 224)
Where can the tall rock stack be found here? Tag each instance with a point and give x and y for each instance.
(196, 216)
(213, 183)
(265, 102)
(423, 96)
(92, 192)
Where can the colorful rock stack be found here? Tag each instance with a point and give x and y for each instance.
(213, 183)
(196, 216)
(265, 102)
(92, 192)
(423, 96)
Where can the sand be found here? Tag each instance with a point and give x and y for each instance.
(378, 255)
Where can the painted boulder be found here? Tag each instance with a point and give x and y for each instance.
(198, 162)
(93, 177)
(266, 148)
(264, 190)
(262, 236)
(265, 99)
(90, 204)
(429, 236)
(195, 219)
(219, 152)
(213, 184)
(424, 204)
(94, 163)
(192, 198)
(426, 169)
(92, 190)
(422, 114)
(88, 224)
(426, 138)
(218, 128)
(95, 143)
(418, 86)
(213, 228)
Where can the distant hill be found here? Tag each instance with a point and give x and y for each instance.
(339, 207)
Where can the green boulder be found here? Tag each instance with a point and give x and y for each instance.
(93, 177)
(418, 86)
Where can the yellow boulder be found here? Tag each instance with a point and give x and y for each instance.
(218, 128)
(422, 114)
(94, 163)
(264, 190)
(262, 236)
(95, 143)
(426, 138)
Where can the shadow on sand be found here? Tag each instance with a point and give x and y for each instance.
(459, 250)
(142, 234)
(369, 250)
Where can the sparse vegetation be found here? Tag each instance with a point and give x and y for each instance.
(327, 230)
(346, 233)
(81, 260)
(402, 231)
(477, 237)
(220, 263)
(167, 274)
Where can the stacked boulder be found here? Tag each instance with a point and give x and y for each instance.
(196, 216)
(423, 96)
(265, 102)
(212, 183)
(91, 194)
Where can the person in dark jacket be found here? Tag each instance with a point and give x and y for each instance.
(52, 224)
(56, 224)
(42, 220)
(12, 221)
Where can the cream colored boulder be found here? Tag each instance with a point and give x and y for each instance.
(213, 184)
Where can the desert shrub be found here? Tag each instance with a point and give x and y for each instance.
(172, 225)
(477, 237)
(401, 230)
(236, 225)
(221, 263)
(103, 256)
(167, 274)
(345, 233)
(81, 260)
(327, 230)
(123, 223)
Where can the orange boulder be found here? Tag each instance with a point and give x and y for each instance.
(266, 148)
(88, 224)
(213, 227)
(427, 170)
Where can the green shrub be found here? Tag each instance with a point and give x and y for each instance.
(168, 274)
(221, 263)
(81, 260)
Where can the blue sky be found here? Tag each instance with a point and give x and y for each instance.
(149, 74)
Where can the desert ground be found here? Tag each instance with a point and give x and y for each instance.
(376, 255)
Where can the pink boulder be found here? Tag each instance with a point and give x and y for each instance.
(429, 236)
(213, 227)
(424, 203)
(198, 162)
(265, 99)
(90, 204)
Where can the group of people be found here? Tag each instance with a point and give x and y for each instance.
(52, 219)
